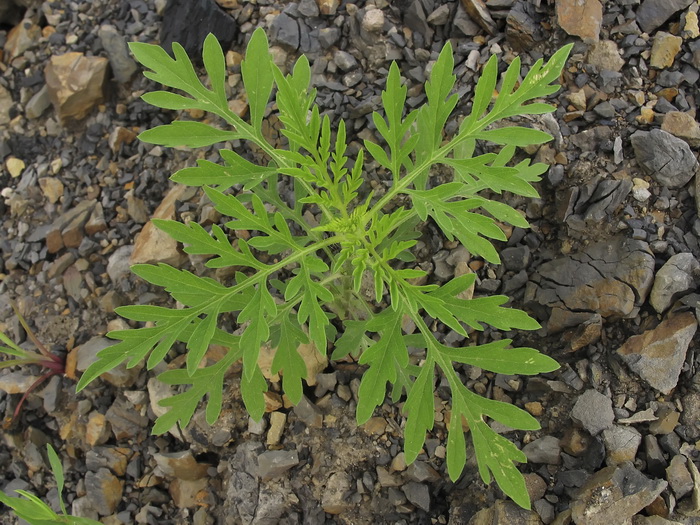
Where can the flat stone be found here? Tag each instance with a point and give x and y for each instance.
(605, 55)
(543, 450)
(75, 83)
(328, 7)
(657, 355)
(614, 495)
(39, 103)
(284, 31)
(274, 463)
(607, 279)
(185, 492)
(5, 105)
(155, 246)
(104, 491)
(676, 277)
(14, 166)
(505, 513)
(309, 413)
(52, 188)
(621, 444)
(478, 11)
(682, 125)
(16, 382)
(418, 494)
(664, 50)
(653, 13)
(582, 18)
(181, 465)
(678, 476)
(664, 157)
(114, 43)
(593, 411)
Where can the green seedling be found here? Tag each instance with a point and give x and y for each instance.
(348, 283)
(34, 511)
(54, 364)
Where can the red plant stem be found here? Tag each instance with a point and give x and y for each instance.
(34, 385)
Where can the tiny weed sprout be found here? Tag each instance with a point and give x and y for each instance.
(34, 511)
(350, 282)
(53, 364)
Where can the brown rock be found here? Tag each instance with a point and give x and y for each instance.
(657, 355)
(5, 105)
(682, 125)
(605, 55)
(664, 50)
(52, 188)
(335, 500)
(155, 246)
(96, 223)
(120, 135)
(181, 465)
(104, 490)
(97, 430)
(22, 37)
(75, 84)
(185, 493)
(328, 7)
(582, 18)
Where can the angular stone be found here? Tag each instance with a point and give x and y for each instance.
(653, 13)
(185, 492)
(373, 20)
(657, 355)
(177, 25)
(123, 66)
(5, 105)
(38, 103)
(21, 38)
(682, 125)
(614, 495)
(505, 513)
(418, 494)
(678, 476)
(605, 55)
(582, 18)
(676, 277)
(478, 12)
(75, 83)
(52, 188)
(621, 444)
(328, 7)
(153, 245)
(593, 411)
(274, 463)
(284, 31)
(666, 158)
(181, 465)
(664, 50)
(543, 450)
(104, 491)
(334, 499)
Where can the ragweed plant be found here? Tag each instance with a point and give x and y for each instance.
(297, 282)
(34, 511)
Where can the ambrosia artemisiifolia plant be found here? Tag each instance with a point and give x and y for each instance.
(311, 282)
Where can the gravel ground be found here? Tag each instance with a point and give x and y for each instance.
(609, 268)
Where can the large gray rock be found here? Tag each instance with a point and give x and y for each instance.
(675, 278)
(657, 355)
(666, 158)
(123, 66)
(609, 279)
(652, 13)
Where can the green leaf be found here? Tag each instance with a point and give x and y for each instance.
(287, 359)
(205, 381)
(258, 311)
(495, 357)
(253, 386)
(353, 341)
(186, 133)
(57, 470)
(383, 357)
(515, 136)
(420, 408)
(215, 64)
(256, 70)
(484, 91)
